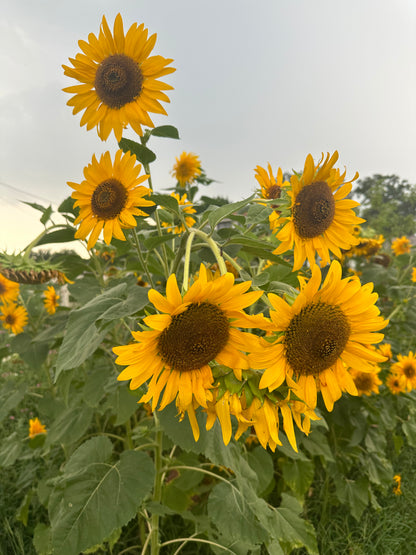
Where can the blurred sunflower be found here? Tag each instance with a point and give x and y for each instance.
(186, 168)
(414, 275)
(385, 350)
(109, 197)
(322, 333)
(321, 218)
(401, 245)
(191, 332)
(405, 369)
(36, 427)
(51, 299)
(119, 80)
(271, 188)
(14, 317)
(9, 290)
(393, 383)
(366, 382)
(187, 208)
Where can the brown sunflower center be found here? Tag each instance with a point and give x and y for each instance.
(10, 319)
(194, 337)
(118, 80)
(108, 199)
(364, 381)
(409, 371)
(273, 192)
(315, 338)
(2, 288)
(314, 210)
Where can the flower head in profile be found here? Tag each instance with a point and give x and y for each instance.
(322, 218)
(51, 299)
(393, 383)
(118, 79)
(186, 168)
(325, 331)
(385, 350)
(271, 188)
(109, 197)
(190, 332)
(36, 427)
(401, 245)
(187, 208)
(368, 247)
(405, 369)
(14, 317)
(366, 382)
(9, 290)
(397, 490)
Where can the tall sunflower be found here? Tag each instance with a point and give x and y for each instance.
(325, 331)
(405, 369)
(109, 197)
(51, 299)
(186, 168)
(14, 317)
(190, 332)
(271, 188)
(321, 217)
(9, 290)
(187, 208)
(118, 79)
(401, 245)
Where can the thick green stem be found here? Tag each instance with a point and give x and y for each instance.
(187, 261)
(157, 489)
(214, 248)
(140, 256)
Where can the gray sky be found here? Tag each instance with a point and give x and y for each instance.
(256, 82)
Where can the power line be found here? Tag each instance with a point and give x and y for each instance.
(37, 197)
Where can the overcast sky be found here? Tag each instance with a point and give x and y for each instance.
(256, 82)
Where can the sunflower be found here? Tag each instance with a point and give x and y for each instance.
(321, 217)
(367, 247)
(36, 427)
(187, 208)
(9, 290)
(187, 168)
(405, 369)
(118, 79)
(401, 245)
(385, 350)
(413, 274)
(51, 299)
(393, 383)
(366, 382)
(397, 490)
(271, 188)
(190, 332)
(325, 331)
(14, 317)
(109, 197)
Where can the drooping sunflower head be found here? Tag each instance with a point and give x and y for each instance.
(118, 79)
(326, 330)
(14, 317)
(366, 382)
(186, 168)
(36, 427)
(405, 369)
(321, 219)
(187, 208)
(9, 290)
(109, 197)
(51, 299)
(190, 332)
(401, 245)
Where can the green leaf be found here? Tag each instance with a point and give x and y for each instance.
(224, 211)
(85, 509)
(70, 425)
(168, 131)
(166, 201)
(316, 444)
(123, 402)
(153, 242)
(36, 206)
(10, 397)
(409, 429)
(353, 493)
(10, 450)
(96, 449)
(23, 511)
(262, 463)
(42, 539)
(33, 353)
(46, 215)
(298, 475)
(67, 207)
(64, 235)
(143, 154)
(137, 299)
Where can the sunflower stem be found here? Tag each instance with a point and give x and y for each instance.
(187, 261)
(157, 489)
(214, 248)
(140, 255)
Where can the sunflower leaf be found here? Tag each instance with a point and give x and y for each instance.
(168, 131)
(222, 212)
(64, 235)
(142, 153)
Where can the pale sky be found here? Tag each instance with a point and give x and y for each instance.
(256, 82)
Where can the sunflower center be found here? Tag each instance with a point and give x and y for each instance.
(194, 337)
(314, 210)
(108, 199)
(409, 370)
(118, 80)
(315, 338)
(273, 192)
(10, 319)
(364, 381)
(2, 288)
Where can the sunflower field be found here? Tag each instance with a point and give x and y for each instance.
(210, 377)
